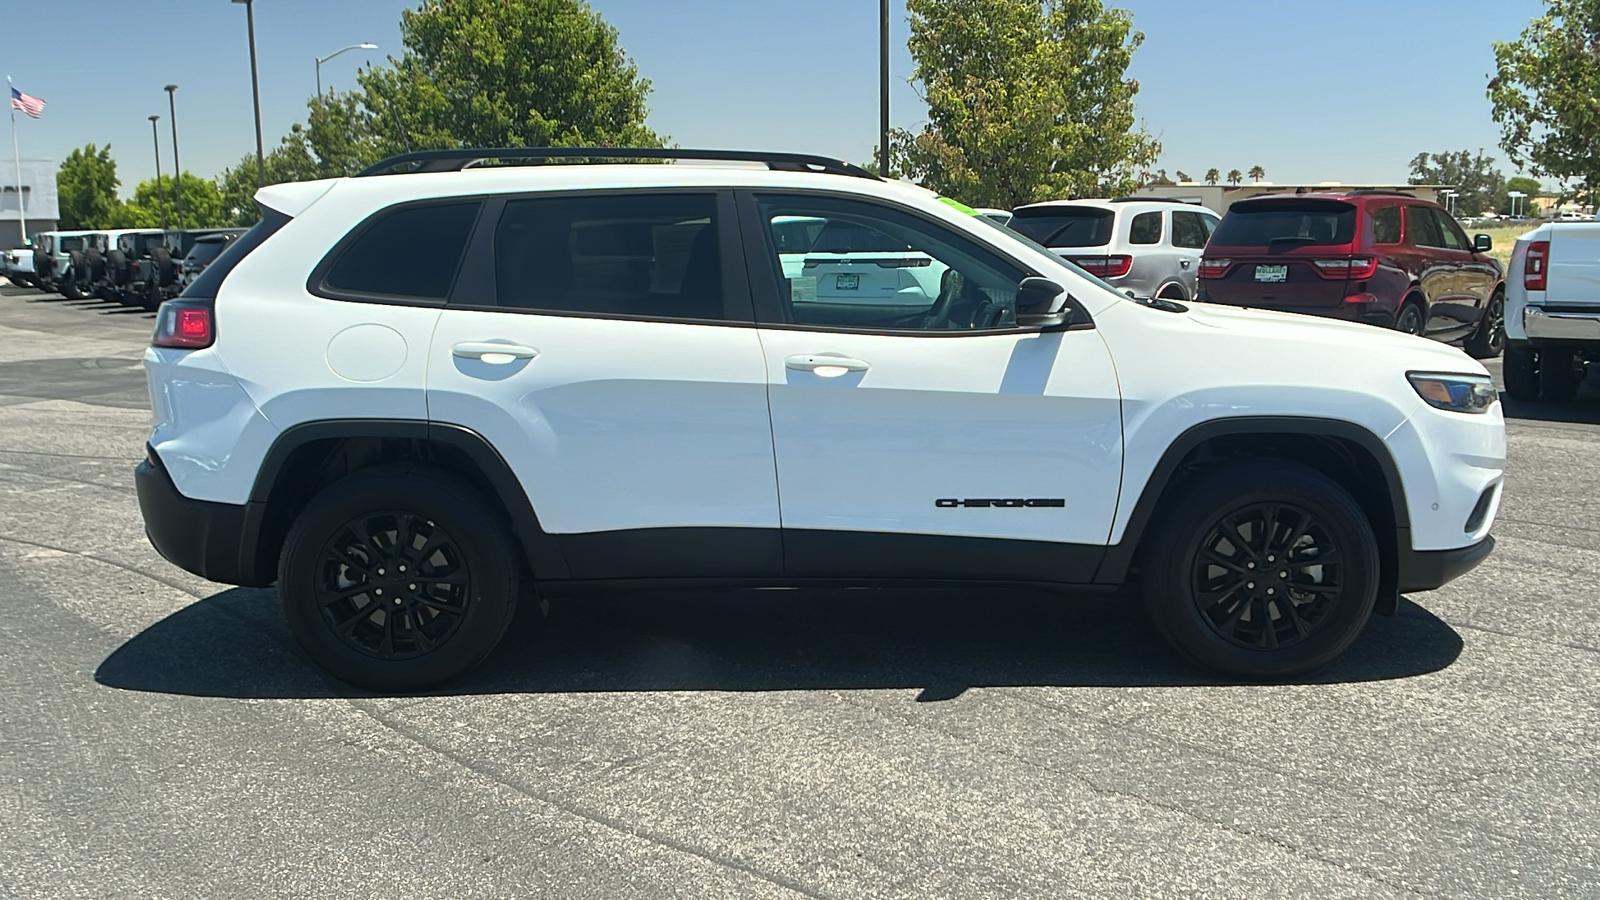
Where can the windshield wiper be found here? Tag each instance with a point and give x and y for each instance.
(1297, 239)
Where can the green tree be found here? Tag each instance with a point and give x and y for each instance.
(1161, 178)
(1529, 186)
(202, 205)
(1027, 100)
(86, 188)
(1213, 176)
(1257, 173)
(237, 184)
(1546, 94)
(504, 73)
(1479, 186)
(1235, 176)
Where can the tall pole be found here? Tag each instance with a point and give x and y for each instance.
(319, 78)
(16, 156)
(883, 88)
(255, 89)
(161, 191)
(177, 167)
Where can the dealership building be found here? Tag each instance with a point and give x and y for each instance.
(36, 203)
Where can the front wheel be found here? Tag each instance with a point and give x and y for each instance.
(1490, 338)
(1261, 569)
(398, 579)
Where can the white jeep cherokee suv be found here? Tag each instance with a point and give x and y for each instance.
(408, 396)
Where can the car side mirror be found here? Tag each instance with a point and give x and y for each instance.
(1041, 303)
(1482, 243)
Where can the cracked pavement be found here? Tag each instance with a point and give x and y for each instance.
(160, 735)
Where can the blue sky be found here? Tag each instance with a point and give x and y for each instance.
(1309, 90)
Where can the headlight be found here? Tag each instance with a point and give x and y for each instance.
(1456, 393)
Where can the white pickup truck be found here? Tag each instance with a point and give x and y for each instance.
(1552, 310)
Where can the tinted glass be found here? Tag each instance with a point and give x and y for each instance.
(1386, 225)
(1286, 222)
(1065, 226)
(409, 252)
(1454, 237)
(1210, 223)
(210, 280)
(204, 251)
(1188, 230)
(1146, 229)
(1423, 227)
(633, 255)
(935, 279)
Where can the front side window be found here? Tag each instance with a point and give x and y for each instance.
(1146, 229)
(406, 252)
(640, 256)
(1454, 237)
(875, 267)
(1188, 230)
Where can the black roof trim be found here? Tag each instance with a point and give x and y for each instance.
(456, 160)
(1383, 192)
(1135, 199)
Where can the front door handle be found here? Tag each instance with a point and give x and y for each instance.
(492, 352)
(825, 365)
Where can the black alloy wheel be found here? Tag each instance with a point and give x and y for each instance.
(392, 585)
(1267, 576)
(1409, 321)
(1489, 340)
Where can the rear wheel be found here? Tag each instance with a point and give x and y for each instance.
(1410, 319)
(1490, 338)
(1262, 569)
(1558, 374)
(398, 579)
(1171, 292)
(1522, 376)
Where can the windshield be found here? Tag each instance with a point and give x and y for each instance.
(1293, 223)
(1065, 226)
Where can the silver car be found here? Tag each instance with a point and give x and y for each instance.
(1147, 247)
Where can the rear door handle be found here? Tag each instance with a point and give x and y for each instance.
(492, 352)
(813, 362)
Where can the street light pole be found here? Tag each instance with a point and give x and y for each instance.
(177, 167)
(255, 89)
(320, 60)
(883, 88)
(161, 192)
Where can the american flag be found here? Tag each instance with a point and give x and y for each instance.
(33, 106)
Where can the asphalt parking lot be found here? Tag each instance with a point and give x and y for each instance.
(160, 736)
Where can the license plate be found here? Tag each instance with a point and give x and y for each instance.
(847, 282)
(1272, 273)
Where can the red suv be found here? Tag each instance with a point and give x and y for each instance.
(1380, 257)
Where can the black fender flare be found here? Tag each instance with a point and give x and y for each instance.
(1119, 557)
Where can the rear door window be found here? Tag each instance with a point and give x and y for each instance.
(1422, 227)
(1064, 226)
(409, 252)
(1386, 225)
(1146, 229)
(1188, 230)
(1308, 223)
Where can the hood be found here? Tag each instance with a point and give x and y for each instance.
(1352, 337)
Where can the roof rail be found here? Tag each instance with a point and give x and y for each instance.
(1387, 192)
(1135, 199)
(456, 160)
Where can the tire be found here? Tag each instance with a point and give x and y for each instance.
(1490, 338)
(166, 271)
(1558, 379)
(462, 621)
(1410, 319)
(1522, 376)
(1226, 635)
(1172, 292)
(117, 268)
(68, 285)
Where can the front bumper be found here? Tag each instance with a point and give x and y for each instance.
(217, 541)
(1426, 570)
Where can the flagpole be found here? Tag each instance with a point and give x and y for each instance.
(16, 156)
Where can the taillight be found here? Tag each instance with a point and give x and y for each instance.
(1104, 266)
(184, 325)
(1215, 268)
(1359, 269)
(1537, 267)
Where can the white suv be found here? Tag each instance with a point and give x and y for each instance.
(409, 399)
(1148, 246)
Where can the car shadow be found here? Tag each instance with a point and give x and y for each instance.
(939, 642)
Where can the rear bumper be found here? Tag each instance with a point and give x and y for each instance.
(1426, 570)
(1545, 325)
(216, 541)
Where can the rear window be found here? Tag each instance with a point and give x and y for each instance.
(1270, 223)
(1065, 226)
(204, 251)
(849, 237)
(412, 251)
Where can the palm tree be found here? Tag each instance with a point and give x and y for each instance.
(1234, 177)
(1213, 176)
(1257, 173)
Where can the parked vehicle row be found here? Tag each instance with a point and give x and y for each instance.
(141, 267)
(1379, 257)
